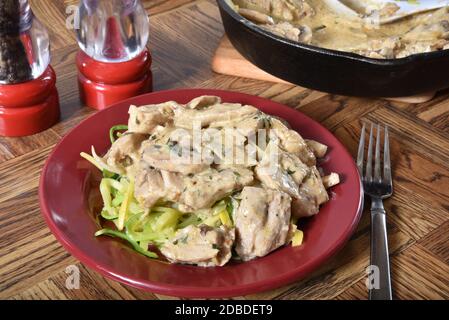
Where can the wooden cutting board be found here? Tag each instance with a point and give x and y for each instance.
(227, 60)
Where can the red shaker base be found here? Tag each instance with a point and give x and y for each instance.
(30, 107)
(102, 84)
(25, 121)
(99, 95)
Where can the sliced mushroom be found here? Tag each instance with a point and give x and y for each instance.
(256, 16)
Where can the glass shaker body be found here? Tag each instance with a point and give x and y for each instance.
(24, 43)
(112, 30)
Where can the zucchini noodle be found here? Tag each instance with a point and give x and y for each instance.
(114, 129)
(124, 206)
(142, 227)
(121, 235)
(99, 162)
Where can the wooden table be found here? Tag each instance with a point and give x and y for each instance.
(184, 35)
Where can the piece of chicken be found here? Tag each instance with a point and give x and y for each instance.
(203, 246)
(204, 189)
(192, 192)
(386, 48)
(312, 194)
(318, 149)
(281, 170)
(262, 222)
(146, 118)
(287, 10)
(256, 16)
(246, 125)
(233, 142)
(152, 185)
(217, 113)
(286, 30)
(203, 102)
(171, 158)
(291, 141)
(125, 151)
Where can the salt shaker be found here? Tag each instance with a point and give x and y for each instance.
(29, 100)
(113, 62)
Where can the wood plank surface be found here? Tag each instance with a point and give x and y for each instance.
(184, 37)
(227, 60)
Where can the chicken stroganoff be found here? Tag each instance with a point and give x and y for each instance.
(192, 200)
(314, 22)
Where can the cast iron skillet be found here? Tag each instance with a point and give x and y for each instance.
(335, 71)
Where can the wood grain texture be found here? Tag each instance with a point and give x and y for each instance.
(418, 274)
(229, 61)
(11, 148)
(184, 37)
(437, 242)
(104, 289)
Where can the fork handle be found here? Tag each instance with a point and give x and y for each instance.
(380, 288)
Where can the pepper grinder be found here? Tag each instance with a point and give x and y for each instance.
(29, 101)
(114, 63)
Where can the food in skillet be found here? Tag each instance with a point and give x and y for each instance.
(237, 191)
(313, 22)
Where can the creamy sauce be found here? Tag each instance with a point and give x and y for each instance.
(291, 19)
(339, 32)
(196, 212)
(343, 34)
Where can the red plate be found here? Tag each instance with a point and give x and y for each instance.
(65, 184)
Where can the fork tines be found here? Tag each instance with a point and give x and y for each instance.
(367, 174)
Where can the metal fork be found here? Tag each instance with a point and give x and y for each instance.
(378, 187)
